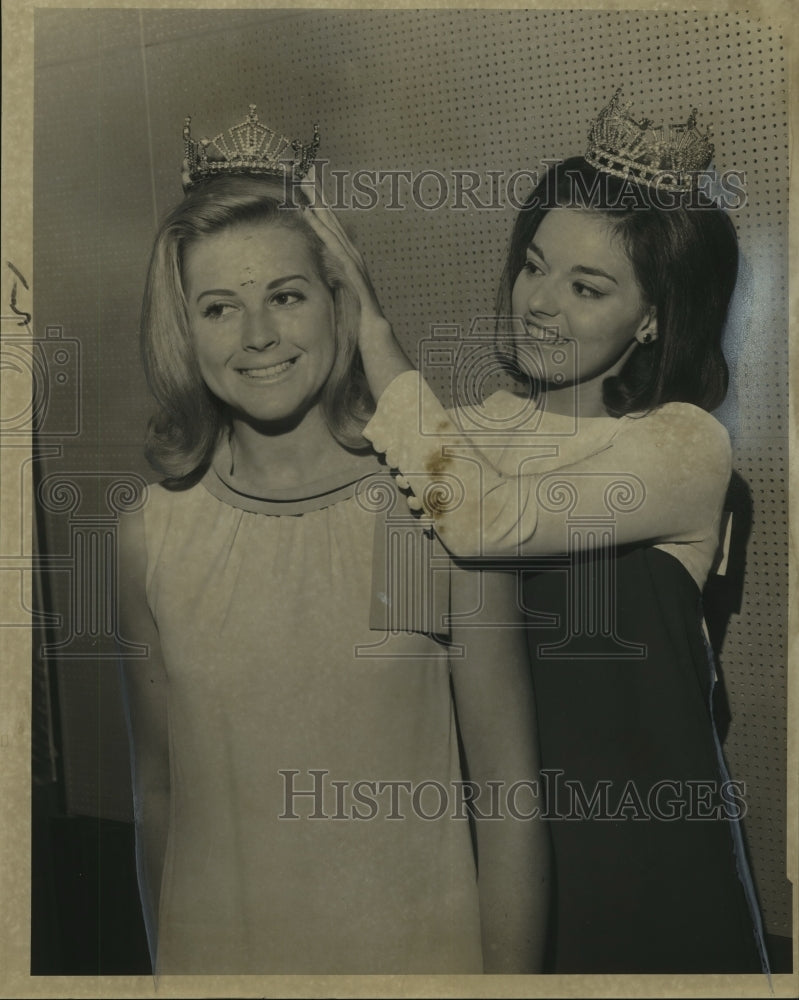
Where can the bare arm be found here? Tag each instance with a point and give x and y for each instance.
(145, 690)
(496, 714)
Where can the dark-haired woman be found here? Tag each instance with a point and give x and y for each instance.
(606, 477)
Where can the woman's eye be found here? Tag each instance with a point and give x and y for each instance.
(286, 298)
(531, 267)
(216, 310)
(586, 291)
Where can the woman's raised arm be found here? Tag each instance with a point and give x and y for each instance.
(662, 477)
(673, 463)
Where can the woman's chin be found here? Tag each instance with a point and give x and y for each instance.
(272, 419)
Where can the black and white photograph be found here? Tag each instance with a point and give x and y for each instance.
(395, 501)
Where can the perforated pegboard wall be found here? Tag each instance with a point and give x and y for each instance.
(417, 91)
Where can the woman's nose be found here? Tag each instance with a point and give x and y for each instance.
(259, 332)
(541, 298)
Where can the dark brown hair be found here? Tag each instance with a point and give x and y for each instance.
(684, 253)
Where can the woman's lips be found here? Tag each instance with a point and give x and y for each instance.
(545, 334)
(267, 373)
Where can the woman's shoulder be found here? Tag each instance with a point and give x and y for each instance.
(695, 427)
(680, 437)
(158, 506)
(168, 494)
(158, 513)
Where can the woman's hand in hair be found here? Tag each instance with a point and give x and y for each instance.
(383, 358)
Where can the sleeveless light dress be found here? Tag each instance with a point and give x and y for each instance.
(279, 687)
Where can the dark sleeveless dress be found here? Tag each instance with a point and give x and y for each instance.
(649, 861)
(650, 876)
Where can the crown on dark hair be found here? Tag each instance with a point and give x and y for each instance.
(660, 156)
(247, 148)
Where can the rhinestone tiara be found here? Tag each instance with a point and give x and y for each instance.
(662, 156)
(247, 148)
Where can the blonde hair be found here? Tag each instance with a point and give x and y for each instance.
(185, 431)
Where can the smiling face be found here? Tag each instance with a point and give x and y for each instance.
(579, 298)
(262, 320)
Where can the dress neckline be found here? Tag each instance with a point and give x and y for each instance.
(316, 495)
